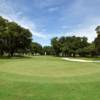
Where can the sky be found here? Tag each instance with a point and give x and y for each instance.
(54, 18)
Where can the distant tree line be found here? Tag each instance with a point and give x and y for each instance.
(71, 46)
(76, 46)
(15, 39)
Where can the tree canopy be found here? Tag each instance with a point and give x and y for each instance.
(36, 49)
(97, 40)
(68, 46)
(13, 38)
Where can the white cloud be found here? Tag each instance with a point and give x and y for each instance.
(12, 13)
(77, 9)
(88, 32)
(86, 29)
(82, 9)
(52, 9)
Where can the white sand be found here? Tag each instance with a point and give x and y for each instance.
(79, 60)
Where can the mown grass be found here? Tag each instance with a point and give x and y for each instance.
(48, 78)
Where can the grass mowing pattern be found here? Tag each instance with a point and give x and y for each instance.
(48, 78)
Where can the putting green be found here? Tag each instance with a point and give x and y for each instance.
(48, 78)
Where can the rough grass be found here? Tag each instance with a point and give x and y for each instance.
(48, 78)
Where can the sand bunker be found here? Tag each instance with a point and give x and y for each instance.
(79, 60)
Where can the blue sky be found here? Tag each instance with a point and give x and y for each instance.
(50, 18)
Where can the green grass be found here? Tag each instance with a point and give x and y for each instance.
(48, 78)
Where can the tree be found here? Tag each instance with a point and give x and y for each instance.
(97, 40)
(36, 49)
(56, 45)
(48, 50)
(97, 45)
(3, 28)
(68, 46)
(14, 38)
(97, 30)
(87, 51)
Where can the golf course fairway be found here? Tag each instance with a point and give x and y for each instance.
(48, 78)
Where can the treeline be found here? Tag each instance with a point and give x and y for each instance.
(75, 46)
(16, 40)
(38, 49)
(70, 46)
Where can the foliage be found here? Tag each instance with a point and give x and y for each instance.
(68, 46)
(48, 50)
(87, 51)
(56, 45)
(13, 38)
(36, 49)
(97, 41)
